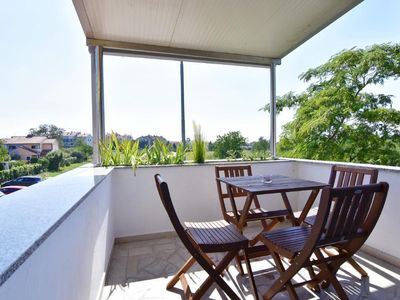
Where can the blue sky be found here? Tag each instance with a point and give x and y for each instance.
(45, 76)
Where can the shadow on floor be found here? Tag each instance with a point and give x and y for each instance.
(141, 270)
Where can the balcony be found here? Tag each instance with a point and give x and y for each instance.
(97, 233)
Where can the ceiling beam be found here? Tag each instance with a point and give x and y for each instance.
(143, 50)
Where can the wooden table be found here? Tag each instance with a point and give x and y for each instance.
(254, 186)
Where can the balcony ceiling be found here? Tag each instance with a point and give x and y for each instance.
(258, 31)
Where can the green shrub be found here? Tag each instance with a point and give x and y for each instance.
(79, 156)
(26, 169)
(44, 162)
(17, 163)
(34, 160)
(55, 159)
(69, 160)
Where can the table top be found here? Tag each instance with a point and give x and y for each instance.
(280, 183)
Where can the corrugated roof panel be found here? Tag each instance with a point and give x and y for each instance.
(260, 28)
(145, 22)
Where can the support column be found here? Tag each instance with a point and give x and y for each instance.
(183, 134)
(98, 125)
(272, 138)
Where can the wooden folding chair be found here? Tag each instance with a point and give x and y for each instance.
(346, 217)
(344, 176)
(233, 215)
(201, 238)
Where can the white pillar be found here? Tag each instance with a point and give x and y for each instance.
(183, 130)
(272, 138)
(97, 100)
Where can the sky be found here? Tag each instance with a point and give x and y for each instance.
(45, 76)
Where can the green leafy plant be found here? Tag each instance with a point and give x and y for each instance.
(180, 154)
(199, 145)
(114, 152)
(161, 154)
(119, 153)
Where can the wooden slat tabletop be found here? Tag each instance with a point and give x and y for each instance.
(280, 183)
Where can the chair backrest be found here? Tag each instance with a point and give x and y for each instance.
(165, 196)
(349, 213)
(343, 176)
(230, 171)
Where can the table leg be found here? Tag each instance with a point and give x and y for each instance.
(245, 211)
(289, 208)
(233, 204)
(307, 206)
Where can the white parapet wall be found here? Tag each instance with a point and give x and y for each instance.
(71, 261)
(138, 209)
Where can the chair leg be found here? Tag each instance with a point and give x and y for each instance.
(314, 287)
(284, 281)
(215, 276)
(328, 273)
(352, 262)
(251, 276)
(357, 267)
(188, 264)
(239, 264)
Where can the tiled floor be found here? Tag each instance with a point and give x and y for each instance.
(141, 270)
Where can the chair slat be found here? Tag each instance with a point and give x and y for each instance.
(346, 179)
(340, 180)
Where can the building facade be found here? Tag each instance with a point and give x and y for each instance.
(26, 148)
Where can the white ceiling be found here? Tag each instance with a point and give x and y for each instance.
(259, 28)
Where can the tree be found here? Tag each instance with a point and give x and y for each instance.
(261, 145)
(3, 153)
(81, 146)
(50, 131)
(229, 145)
(337, 118)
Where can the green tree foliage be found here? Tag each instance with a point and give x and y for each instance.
(50, 131)
(337, 117)
(199, 145)
(229, 145)
(3, 153)
(261, 145)
(83, 147)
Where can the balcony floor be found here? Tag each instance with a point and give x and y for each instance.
(141, 270)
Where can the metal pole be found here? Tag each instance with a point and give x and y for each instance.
(272, 139)
(98, 124)
(183, 105)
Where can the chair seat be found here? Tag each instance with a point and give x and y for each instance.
(288, 241)
(256, 214)
(216, 236)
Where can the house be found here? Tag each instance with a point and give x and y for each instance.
(28, 147)
(70, 139)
